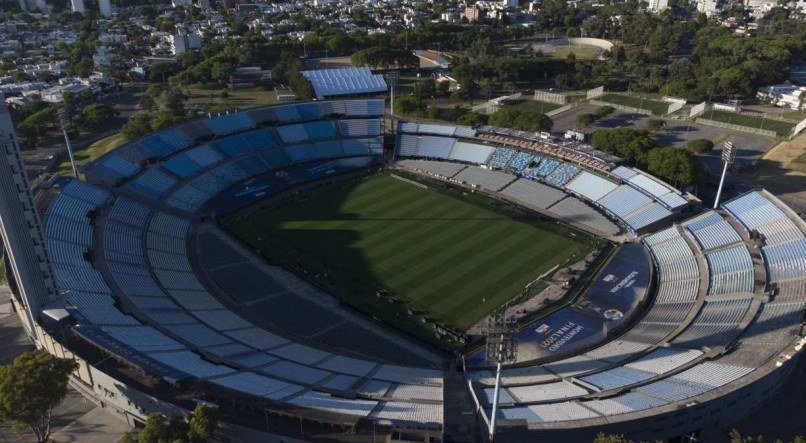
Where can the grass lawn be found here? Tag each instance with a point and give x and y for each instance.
(210, 98)
(92, 152)
(781, 128)
(535, 105)
(657, 107)
(452, 256)
(580, 52)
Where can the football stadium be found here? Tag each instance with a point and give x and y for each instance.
(319, 273)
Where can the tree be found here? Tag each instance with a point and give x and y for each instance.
(30, 387)
(509, 117)
(165, 118)
(586, 119)
(603, 111)
(678, 166)
(96, 115)
(655, 125)
(138, 125)
(410, 105)
(700, 146)
(472, 119)
(202, 423)
(611, 438)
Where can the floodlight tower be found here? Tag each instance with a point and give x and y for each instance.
(64, 124)
(728, 157)
(502, 347)
(392, 77)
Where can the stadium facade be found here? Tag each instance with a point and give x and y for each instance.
(127, 273)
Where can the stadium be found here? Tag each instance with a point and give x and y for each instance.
(317, 274)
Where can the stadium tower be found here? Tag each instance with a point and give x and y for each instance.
(21, 229)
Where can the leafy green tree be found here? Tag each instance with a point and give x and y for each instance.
(655, 125)
(138, 125)
(509, 117)
(586, 119)
(472, 119)
(30, 387)
(202, 423)
(603, 111)
(611, 438)
(678, 166)
(96, 115)
(700, 146)
(410, 105)
(165, 118)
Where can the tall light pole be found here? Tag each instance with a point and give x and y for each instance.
(392, 77)
(728, 157)
(64, 124)
(501, 347)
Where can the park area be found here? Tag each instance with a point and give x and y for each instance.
(781, 128)
(386, 245)
(634, 101)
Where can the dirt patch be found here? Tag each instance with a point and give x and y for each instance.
(783, 172)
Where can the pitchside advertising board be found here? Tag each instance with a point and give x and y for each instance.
(607, 303)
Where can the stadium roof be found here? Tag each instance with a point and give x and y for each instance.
(345, 81)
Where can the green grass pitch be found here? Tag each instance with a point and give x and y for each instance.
(452, 256)
(656, 107)
(781, 128)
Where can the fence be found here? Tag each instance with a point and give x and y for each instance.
(723, 125)
(490, 106)
(697, 109)
(675, 106)
(595, 93)
(560, 110)
(799, 127)
(550, 97)
(623, 108)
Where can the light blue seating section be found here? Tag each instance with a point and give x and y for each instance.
(521, 161)
(753, 210)
(355, 146)
(301, 153)
(153, 183)
(117, 167)
(469, 152)
(647, 215)
(329, 149)
(181, 165)
(230, 123)
(320, 130)
(360, 127)
(292, 133)
(732, 259)
(260, 139)
(501, 157)
(204, 155)
(175, 139)
(624, 200)
(434, 147)
(786, 260)
(233, 145)
(546, 167)
(562, 174)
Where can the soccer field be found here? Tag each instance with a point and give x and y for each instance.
(452, 257)
(656, 107)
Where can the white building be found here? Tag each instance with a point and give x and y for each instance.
(78, 5)
(106, 7)
(184, 42)
(658, 5)
(511, 3)
(788, 96)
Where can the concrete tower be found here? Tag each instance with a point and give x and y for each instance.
(21, 229)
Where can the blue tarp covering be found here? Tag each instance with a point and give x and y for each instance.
(610, 300)
(103, 340)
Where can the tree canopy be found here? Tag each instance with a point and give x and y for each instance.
(514, 118)
(30, 387)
